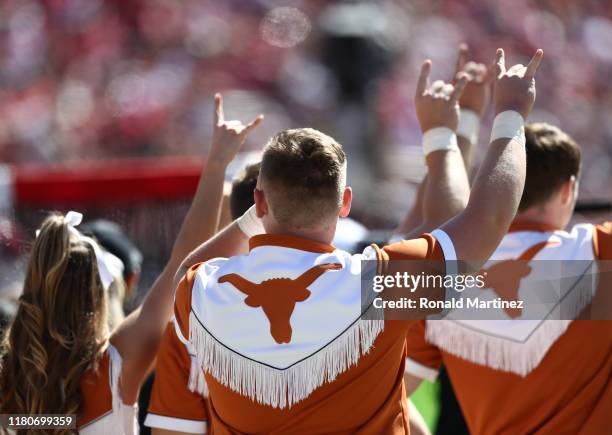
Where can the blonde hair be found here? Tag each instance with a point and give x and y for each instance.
(60, 329)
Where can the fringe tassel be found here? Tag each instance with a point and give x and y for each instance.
(500, 353)
(197, 381)
(275, 387)
(495, 352)
(504, 354)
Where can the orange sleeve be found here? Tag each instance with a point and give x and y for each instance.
(602, 241)
(423, 359)
(182, 299)
(424, 255)
(173, 406)
(425, 247)
(602, 248)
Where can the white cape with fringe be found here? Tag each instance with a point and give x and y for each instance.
(518, 345)
(233, 341)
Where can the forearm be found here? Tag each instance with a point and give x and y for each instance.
(499, 183)
(442, 194)
(469, 122)
(493, 203)
(414, 218)
(226, 213)
(447, 190)
(203, 217)
(139, 334)
(467, 152)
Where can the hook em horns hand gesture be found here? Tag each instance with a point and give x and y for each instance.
(477, 90)
(438, 105)
(228, 136)
(515, 88)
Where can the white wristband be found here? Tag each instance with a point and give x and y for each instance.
(509, 124)
(250, 224)
(469, 123)
(439, 138)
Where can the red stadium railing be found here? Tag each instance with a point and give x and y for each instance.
(108, 181)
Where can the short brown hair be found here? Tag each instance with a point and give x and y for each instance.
(552, 158)
(243, 185)
(304, 172)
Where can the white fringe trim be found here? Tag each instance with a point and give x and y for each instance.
(197, 381)
(275, 387)
(500, 353)
(495, 352)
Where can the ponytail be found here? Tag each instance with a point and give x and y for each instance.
(60, 328)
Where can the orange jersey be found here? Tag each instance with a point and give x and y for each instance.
(103, 410)
(568, 391)
(367, 396)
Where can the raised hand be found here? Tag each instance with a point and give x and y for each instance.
(438, 105)
(515, 88)
(477, 91)
(228, 136)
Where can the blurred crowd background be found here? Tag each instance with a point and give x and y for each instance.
(92, 80)
(84, 80)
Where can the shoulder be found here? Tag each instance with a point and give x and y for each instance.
(434, 246)
(196, 279)
(602, 241)
(590, 240)
(197, 274)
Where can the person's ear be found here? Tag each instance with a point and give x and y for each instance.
(347, 199)
(575, 187)
(568, 190)
(261, 205)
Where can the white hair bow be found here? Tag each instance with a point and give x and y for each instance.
(109, 266)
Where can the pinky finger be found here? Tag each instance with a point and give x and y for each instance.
(533, 65)
(254, 123)
(459, 87)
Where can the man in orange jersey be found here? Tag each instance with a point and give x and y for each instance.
(269, 335)
(554, 376)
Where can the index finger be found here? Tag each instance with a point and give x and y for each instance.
(423, 81)
(462, 57)
(218, 118)
(534, 63)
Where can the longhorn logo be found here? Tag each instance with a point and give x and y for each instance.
(278, 296)
(505, 277)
